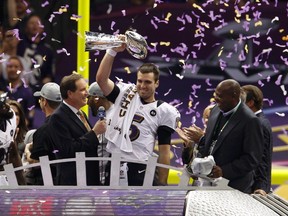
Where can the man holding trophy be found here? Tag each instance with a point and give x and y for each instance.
(137, 117)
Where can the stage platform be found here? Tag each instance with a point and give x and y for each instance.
(91, 202)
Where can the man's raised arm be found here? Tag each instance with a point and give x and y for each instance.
(105, 68)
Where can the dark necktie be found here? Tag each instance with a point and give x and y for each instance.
(83, 119)
(221, 123)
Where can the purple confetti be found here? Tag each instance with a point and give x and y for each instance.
(52, 16)
(188, 18)
(181, 20)
(180, 49)
(33, 38)
(208, 82)
(223, 64)
(31, 108)
(153, 23)
(112, 25)
(45, 4)
(194, 88)
(270, 102)
(260, 83)
(245, 67)
(278, 81)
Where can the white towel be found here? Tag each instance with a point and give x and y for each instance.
(120, 119)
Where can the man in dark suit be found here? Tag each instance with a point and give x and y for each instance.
(70, 132)
(254, 100)
(233, 137)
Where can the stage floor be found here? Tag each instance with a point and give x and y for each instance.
(91, 202)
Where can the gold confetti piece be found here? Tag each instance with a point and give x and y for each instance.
(231, 31)
(237, 20)
(182, 61)
(63, 10)
(10, 87)
(237, 13)
(205, 24)
(220, 52)
(44, 58)
(198, 31)
(226, 4)
(246, 48)
(153, 44)
(162, 43)
(168, 16)
(259, 23)
(16, 18)
(127, 69)
(198, 7)
(95, 60)
(247, 17)
(190, 103)
(74, 18)
(281, 30)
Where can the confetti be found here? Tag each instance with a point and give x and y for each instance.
(283, 90)
(162, 43)
(167, 92)
(45, 4)
(168, 16)
(198, 7)
(52, 16)
(127, 70)
(280, 114)
(278, 81)
(109, 9)
(63, 50)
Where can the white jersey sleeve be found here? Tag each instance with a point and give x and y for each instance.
(6, 137)
(169, 116)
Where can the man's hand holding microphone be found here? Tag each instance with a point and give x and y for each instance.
(100, 126)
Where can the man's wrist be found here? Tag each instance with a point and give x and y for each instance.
(111, 52)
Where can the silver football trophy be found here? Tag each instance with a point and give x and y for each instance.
(136, 44)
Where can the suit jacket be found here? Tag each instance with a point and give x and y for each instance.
(68, 136)
(239, 147)
(263, 171)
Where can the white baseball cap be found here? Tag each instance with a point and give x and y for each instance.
(95, 90)
(50, 91)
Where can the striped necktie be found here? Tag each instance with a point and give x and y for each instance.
(83, 119)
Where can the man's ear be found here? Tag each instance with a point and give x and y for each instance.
(44, 101)
(69, 92)
(157, 83)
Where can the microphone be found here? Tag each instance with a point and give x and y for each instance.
(101, 113)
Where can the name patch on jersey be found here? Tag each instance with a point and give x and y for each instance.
(126, 99)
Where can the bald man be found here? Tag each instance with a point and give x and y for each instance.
(233, 137)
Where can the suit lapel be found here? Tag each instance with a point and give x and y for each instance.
(71, 115)
(232, 122)
(212, 124)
